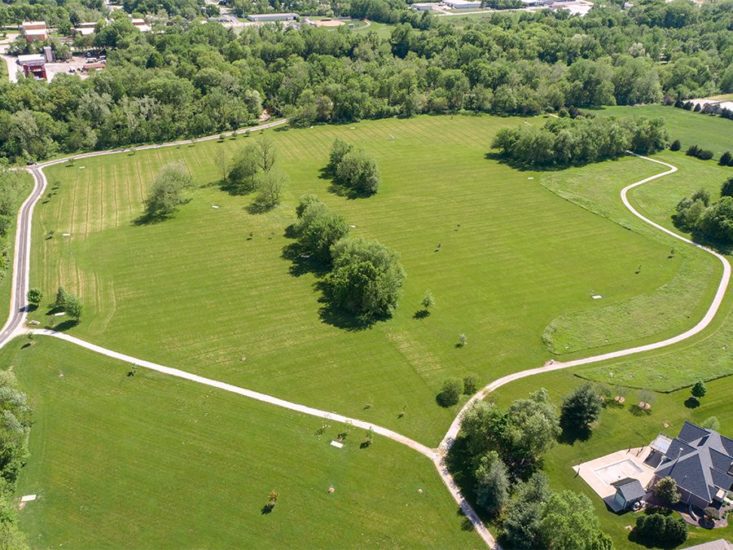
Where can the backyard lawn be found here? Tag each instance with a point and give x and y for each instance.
(621, 428)
(148, 461)
(209, 290)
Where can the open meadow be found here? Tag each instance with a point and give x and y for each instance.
(147, 461)
(209, 290)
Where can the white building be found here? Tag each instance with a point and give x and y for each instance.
(269, 17)
(462, 4)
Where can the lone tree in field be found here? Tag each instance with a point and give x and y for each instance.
(666, 491)
(366, 278)
(580, 409)
(266, 153)
(699, 390)
(427, 301)
(34, 297)
(241, 178)
(270, 187)
(358, 171)
(168, 191)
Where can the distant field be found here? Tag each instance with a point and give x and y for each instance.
(709, 132)
(619, 429)
(147, 461)
(196, 292)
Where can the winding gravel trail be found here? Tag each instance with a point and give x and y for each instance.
(455, 427)
(16, 321)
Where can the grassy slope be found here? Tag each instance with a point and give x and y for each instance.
(196, 293)
(709, 132)
(153, 462)
(619, 429)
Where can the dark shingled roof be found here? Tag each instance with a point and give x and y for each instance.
(699, 460)
(631, 489)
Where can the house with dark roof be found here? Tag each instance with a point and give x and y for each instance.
(701, 462)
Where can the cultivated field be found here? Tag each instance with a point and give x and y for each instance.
(210, 292)
(147, 461)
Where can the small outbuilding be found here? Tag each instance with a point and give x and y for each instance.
(629, 491)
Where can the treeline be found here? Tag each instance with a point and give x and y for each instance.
(566, 141)
(705, 108)
(11, 190)
(14, 431)
(190, 79)
(496, 460)
(707, 220)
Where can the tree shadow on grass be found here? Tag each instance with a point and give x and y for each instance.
(259, 207)
(692, 403)
(339, 318)
(636, 410)
(421, 314)
(63, 326)
(301, 262)
(570, 435)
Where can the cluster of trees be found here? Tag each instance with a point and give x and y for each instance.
(710, 221)
(452, 388)
(365, 277)
(14, 430)
(353, 168)
(11, 189)
(704, 108)
(497, 450)
(191, 79)
(565, 141)
(253, 169)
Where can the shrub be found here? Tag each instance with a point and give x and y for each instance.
(470, 384)
(358, 172)
(675, 146)
(726, 189)
(711, 423)
(704, 154)
(725, 159)
(450, 392)
(34, 296)
(692, 151)
(699, 390)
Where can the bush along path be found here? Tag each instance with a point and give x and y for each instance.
(15, 326)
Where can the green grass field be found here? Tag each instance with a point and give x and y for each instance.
(148, 461)
(619, 429)
(709, 132)
(196, 292)
(706, 356)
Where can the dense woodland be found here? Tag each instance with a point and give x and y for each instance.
(190, 78)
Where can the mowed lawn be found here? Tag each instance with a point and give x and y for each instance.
(618, 429)
(209, 291)
(706, 356)
(148, 461)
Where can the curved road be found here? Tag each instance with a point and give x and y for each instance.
(15, 326)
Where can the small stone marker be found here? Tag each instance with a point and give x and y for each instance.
(28, 498)
(59, 314)
(596, 296)
(214, 206)
(337, 444)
